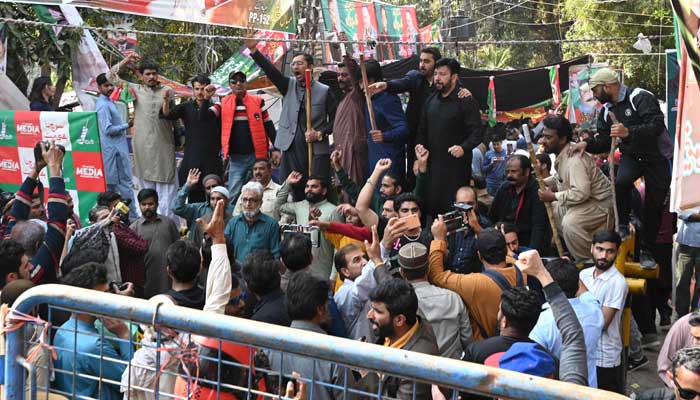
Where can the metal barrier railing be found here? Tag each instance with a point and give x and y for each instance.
(279, 343)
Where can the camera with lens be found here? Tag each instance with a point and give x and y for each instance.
(455, 219)
(313, 232)
(38, 153)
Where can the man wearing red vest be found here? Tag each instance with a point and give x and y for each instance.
(245, 130)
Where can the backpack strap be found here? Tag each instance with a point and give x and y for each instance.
(497, 278)
(484, 334)
(501, 281)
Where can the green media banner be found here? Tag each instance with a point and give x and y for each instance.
(83, 170)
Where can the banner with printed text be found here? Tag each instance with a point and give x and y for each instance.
(686, 158)
(274, 15)
(367, 22)
(241, 61)
(83, 170)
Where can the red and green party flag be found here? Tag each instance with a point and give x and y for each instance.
(491, 99)
(83, 170)
(554, 84)
(123, 93)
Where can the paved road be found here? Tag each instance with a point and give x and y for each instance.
(646, 377)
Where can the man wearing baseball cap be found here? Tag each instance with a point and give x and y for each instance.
(634, 118)
(246, 131)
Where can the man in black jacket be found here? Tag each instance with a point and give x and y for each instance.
(262, 275)
(517, 201)
(450, 127)
(645, 149)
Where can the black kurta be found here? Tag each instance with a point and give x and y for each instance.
(445, 122)
(202, 143)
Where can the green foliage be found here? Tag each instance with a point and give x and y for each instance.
(493, 57)
(180, 58)
(35, 46)
(593, 19)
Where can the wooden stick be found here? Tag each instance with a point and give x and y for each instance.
(310, 147)
(540, 182)
(368, 98)
(611, 166)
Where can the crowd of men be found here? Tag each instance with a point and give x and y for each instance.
(414, 229)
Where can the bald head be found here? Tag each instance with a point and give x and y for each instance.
(466, 194)
(29, 235)
(14, 289)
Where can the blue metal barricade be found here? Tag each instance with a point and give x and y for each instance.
(282, 345)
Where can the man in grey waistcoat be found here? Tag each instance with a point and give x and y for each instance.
(292, 136)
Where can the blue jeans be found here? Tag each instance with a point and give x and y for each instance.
(239, 165)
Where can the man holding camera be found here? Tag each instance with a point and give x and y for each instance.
(45, 252)
(462, 256)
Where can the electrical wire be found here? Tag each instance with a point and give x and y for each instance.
(566, 22)
(600, 10)
(310, 41)
(483, 19)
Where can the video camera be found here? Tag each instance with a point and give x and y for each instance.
(313, 232)
(455, 219)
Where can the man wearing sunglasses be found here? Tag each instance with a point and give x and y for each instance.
(293, 137)
(685, 375)
(246, 131)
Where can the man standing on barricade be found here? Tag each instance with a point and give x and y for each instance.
(202, 134)
(115, 149)
(292, 136)
(450, 127)
(154, 141)
(245, 129)
(633, 117)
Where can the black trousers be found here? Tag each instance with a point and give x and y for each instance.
(610, 379)
(657, 178)
(658, 292)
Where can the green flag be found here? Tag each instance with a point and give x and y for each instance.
(491, 98)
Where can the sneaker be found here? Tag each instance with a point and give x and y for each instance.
(624, 231)
(633, 365)
(646, 260)
(650, 340)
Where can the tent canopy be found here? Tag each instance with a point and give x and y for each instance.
(514, 88)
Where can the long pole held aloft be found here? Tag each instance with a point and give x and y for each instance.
(540, 182)
(368, 98)
(611, 166)
(310, 147)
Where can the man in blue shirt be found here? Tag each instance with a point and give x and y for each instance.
(115, 150)
(253, 230)
(388, 139)
(86, 352)
(213, 191)
(462, 256)
(587, 309)
(688, 260)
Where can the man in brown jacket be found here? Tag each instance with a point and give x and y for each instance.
(481, 292)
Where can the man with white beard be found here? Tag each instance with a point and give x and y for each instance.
(252, 230)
